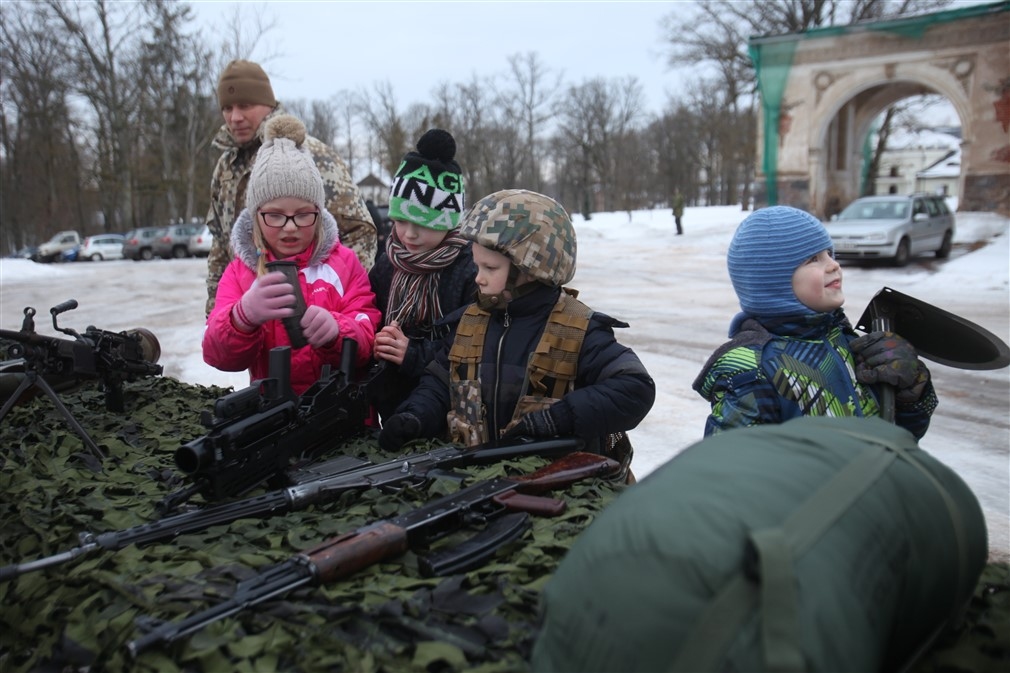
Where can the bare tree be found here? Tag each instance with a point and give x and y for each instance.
(596, 118)
(177, 116)
(102, 45)
(41, 163)
(480, 145)
(385, 121)
(242, 35)
(526, 107)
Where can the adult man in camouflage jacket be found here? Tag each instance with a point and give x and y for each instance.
(247, 100)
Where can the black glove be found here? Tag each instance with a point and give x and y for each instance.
(885, 357)
(554, 421)
(398, 430)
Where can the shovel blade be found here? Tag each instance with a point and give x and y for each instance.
(937, 335)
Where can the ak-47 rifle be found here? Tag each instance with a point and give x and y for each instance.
(345, 554)
(255, 433)
(110, 357)
(320, 483)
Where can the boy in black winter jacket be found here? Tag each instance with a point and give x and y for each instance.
(527, 358)
(427, 271)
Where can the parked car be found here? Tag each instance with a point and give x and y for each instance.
(138, 244)
(893, 227)
(200, 242)
(53, 249)
(101, 246)
(173, 241)
(27, 252)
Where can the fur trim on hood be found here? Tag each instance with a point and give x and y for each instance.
(242, 239)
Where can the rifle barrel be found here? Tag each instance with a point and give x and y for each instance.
(274, 581)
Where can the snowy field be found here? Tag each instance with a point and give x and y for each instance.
(673, 290)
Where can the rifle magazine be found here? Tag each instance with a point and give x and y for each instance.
(475, 551)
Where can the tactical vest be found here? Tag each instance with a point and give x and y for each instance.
(550, 373)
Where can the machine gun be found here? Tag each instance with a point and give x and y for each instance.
(255, 433)
(110, 357)
(320, 483)
(345, 554)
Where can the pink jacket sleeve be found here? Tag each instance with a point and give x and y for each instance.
(224, 346)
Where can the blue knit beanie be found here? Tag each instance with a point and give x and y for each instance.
(766, 249)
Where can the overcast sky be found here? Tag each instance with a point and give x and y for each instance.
(326, 47)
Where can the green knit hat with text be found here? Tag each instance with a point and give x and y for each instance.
(428, 186)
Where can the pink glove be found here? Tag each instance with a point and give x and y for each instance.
(319, 327)
(271, 297)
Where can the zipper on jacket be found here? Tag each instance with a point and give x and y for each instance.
(849, 374)
(493, 428)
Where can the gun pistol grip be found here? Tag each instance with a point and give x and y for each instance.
(534, 504)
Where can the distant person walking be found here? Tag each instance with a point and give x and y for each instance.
(678, 210)
(246, 100)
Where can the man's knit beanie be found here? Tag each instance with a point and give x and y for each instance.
(766, 250)
(244, 83)
(428, 186)
(284, 167)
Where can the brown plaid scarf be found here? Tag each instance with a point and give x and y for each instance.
(413, 294)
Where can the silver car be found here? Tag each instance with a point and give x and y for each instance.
(200, 242)
(101, 246)
(173, 241)
(892, 227)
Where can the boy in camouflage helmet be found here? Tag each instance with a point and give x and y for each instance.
(527, 359)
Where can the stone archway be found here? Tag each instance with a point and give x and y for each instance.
(822, 89)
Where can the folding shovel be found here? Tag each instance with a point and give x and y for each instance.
(937, 335)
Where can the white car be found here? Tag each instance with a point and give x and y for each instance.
(894, 228)
(200, 242)
(101, 246)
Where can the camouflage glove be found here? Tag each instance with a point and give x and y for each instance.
(398, 430)
(554, 421)
(885, 357)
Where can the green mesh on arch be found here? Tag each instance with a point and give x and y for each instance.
(772, 60)
(772, 56)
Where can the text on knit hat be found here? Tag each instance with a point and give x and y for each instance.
(428, 186)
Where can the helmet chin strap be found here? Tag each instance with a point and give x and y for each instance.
(511, 292)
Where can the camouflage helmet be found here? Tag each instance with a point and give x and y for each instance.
(532, 230)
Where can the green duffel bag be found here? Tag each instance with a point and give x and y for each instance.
(817, 545)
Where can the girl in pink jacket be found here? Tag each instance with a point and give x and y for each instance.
(284, 219)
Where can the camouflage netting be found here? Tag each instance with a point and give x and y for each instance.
(79, 616)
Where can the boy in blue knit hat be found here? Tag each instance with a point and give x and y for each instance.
(792, 352)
